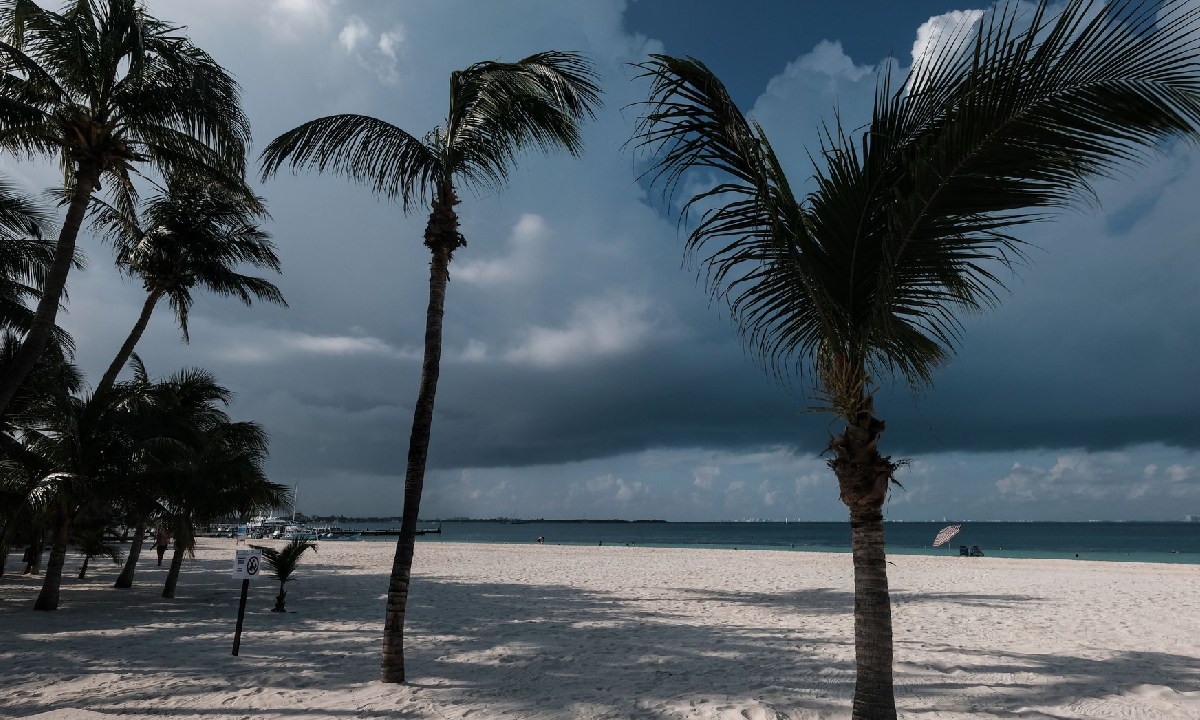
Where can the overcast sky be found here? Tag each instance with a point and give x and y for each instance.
(584, 372)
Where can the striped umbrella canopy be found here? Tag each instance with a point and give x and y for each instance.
(945, 534)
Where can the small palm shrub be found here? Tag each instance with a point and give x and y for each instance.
(282, 563)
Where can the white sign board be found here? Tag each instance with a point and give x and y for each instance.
(246, 564)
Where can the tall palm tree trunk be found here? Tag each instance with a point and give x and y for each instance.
(173, 572)
(87, 179)
(47, 599)
(34, 566)
(125, 579)
(6, 538)
(442, 238)
(863, 476)
(114, 369)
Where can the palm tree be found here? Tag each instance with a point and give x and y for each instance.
(204, 465)
(191, 234)
(87, 444)
(496, 110)
(23, 510)
(25, 256)
(282, 563)
(107, 87)
(910, 220)
(91, 543)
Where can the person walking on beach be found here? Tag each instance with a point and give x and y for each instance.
(161, 543)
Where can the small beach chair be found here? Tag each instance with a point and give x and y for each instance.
(962, 551)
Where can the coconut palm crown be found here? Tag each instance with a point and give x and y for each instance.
(497, 110)
(912, 217)
(193, 233)
(106, 88)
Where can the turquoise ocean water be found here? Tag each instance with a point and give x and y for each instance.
(1170, 542)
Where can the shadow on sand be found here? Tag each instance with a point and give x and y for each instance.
(529, 650)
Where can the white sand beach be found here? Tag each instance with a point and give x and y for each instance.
(550, 632)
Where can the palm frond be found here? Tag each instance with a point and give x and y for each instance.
(752, 237)
(499, 109)
(913, 224)
(375, 153)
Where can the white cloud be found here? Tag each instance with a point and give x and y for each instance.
(520, 265)
(292, 19)
(611, 487)
(389, 41)
(704, 475)
(475, 351)
(821, 70)
(629, 491)
(1179, 473)
(380, 57)
(272, 346)
(943, 33)
(355, 31)
(600, 327)
(1096, 476)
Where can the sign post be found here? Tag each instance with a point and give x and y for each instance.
(245, 566)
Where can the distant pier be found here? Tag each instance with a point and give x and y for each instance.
(395, 533)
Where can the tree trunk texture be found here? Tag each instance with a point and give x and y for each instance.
(279, 606)
(173, 572)
(6, 538)
(139, 327)
(47, 599)
(39, 553)
(83, 568)
(125, 579)
(442, 238)
(863, 476)
(87, 177)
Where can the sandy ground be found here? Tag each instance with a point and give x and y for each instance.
(531, 631)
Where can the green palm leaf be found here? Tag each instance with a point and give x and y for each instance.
(378, 154)
(908, 227)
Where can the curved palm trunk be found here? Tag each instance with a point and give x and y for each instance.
(83, 568)
(87, 177)
(47, 599)
(442, 238)
(125, 579)
(6, 538)
(33, 566)
(863, 476)
(114, 369)
(173, 572)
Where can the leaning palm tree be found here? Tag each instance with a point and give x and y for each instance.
(22, 468)
(496, 110)
(220, 474)
(106, 87)
(170, 414)
(202, 464)
(282, 563)
(192, 234)
(911, 219)
(87, 444)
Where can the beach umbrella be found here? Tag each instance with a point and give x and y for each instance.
(945, 534)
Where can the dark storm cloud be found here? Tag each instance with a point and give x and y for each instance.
(584, 366)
